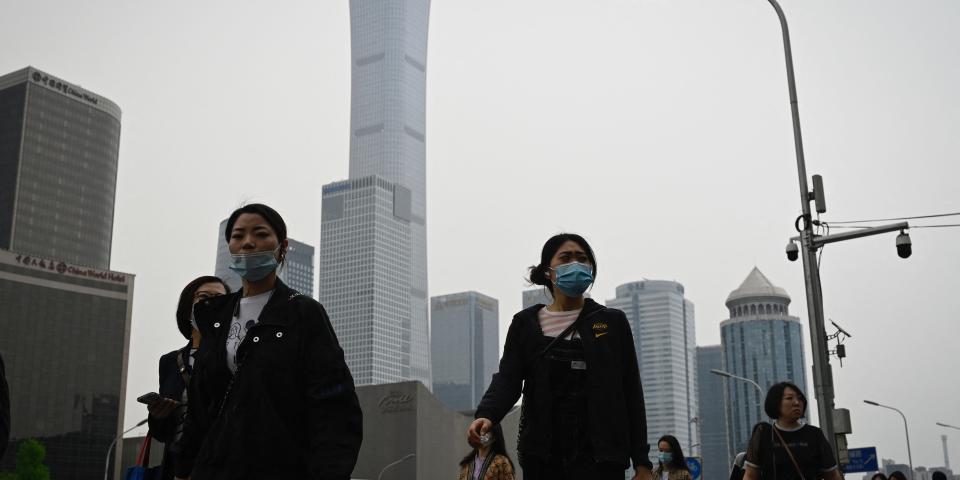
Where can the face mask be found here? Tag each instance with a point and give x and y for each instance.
(255, 266)
(573, 278)
(193, 322)
(666, 457)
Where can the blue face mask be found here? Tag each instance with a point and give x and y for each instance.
(573, 278)
(255, 266)
(666, 457)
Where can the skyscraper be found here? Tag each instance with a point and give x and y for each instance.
(662, 320)
(65, 336)
(59, 147)
(717, 459)
(536, 295)
(465, 339)
(762, 342)
(388, 155)
(297, 271)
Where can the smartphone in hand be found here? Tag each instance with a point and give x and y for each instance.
(149, 399)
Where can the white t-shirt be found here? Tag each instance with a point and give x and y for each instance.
(554, 323)
(247, 316)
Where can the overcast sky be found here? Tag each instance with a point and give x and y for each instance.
(658, 129)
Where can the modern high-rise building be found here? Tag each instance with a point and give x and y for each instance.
(59, 147)
(536, 295)
(464, 347)
(297, 271)
(64, 336)
(662, 320)
(763, 342)
(716, 457)
(388, 152)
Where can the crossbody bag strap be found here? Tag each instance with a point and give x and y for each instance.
(182, 367)
(566, 332)
(789, 452)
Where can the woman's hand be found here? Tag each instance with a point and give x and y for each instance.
(642, 473)
(163, 408)
(479, 427)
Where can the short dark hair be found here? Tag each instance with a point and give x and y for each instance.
(878, 475)
(538, 273)
(677, 461)
(185, 305)
(771, 404)
(270, 215)
(897, 475)
(938, 475)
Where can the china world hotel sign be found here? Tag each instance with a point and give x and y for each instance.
(58, 85)
(63, 268)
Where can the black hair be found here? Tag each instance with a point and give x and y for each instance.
(538, 273)
(771, 404)
(270, 215)
(897, 475)
(677, 461)
(498, 447)
(878, 475)
(185, 304)
(938, 475)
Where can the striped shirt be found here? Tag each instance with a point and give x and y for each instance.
(554, 323)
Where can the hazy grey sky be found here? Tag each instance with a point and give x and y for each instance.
(659, 129)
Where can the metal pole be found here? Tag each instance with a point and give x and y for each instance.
(906, 431)
(406, 457)
(106, 468)
(737, 377)
(822, 373)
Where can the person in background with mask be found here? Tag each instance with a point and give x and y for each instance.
(488, 460)
(672, 465)
(574, 361)
(271, 395)
(167, 415)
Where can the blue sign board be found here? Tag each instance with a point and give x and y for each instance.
(862, 460)
(693, 463)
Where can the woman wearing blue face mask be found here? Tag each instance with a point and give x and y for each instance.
(574, 362)
(672, 465)
(271, 395)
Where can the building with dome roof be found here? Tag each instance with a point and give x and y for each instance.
(760, 341)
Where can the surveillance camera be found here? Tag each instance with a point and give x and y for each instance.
(904, 246)
(793, 252)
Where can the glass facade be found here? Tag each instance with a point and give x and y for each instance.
(65, 342)
(465, 339)
(64, 171)
(762, 342)
(662, 320)
(716, 457)
(387, 137)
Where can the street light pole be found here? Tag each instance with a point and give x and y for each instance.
(106, 468)
(947, 426)
(397, 462)
(822, 373)
(905, 431)
(737, 377)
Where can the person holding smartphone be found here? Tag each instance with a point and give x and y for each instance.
(271, 395)
(574, 360)
(168, 409)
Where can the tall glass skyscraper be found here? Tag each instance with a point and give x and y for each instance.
(763, 342)
(65, 337)
(662, 320)
(59, 147)
(717, 459)
(465, 347)
(297, 271)
(388, 152)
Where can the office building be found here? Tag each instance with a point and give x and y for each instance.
(715, 456)
(65, 339)
(763, 342)
(662, 320)
(297, 271)
(388, 152)
(59, 147)
(464, 347)
(536, 295)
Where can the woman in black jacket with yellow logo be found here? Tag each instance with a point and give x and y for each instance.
(271, 395)
(574, 362)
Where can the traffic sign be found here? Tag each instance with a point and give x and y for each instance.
(693, 464)
(862, 460)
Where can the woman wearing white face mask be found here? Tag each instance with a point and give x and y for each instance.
(574, 361)
(271, 395)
